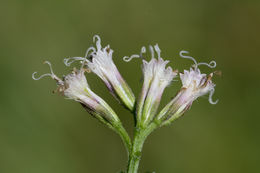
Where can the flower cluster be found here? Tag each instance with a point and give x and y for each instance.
(156, 77)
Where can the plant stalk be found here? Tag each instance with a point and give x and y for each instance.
(125, 137)
(139, 138)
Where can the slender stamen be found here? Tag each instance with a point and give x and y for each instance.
(73, 59)
(83, 63)
(152, 51)
(98, 42)
(127, 59)
(44, 75)
(212, 64)
(158, 50)
(188, 57)
(143, 50)
(67, 61)
(52, 75)
(210, 97)
(47, 62)
(88, 51)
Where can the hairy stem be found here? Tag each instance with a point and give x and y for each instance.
(136, 152)
(124, 136)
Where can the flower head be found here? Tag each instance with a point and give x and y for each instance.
(194, 84)
(199, 83)
(101, 63)
(74, 86)
(156, 78)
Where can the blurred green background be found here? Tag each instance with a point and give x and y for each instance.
(41, 132)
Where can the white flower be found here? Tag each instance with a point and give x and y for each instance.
(156, 78)
(74, 86)
(199, 84)
(101, 63)
(194, 84)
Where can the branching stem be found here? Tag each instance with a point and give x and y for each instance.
(125, 137)
(139, 138)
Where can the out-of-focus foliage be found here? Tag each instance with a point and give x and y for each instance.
(43, 132)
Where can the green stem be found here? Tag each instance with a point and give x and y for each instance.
(124, 136)
(136, 152)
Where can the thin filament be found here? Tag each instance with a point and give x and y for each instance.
(188, 57)
(73, 59)
(88, 51)
(210, 97)
(47, 62)
(212, 64)
(127, 59)
(158, 50)
(98, 42)
(44, 75)
(152, 51)
(52, 75)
